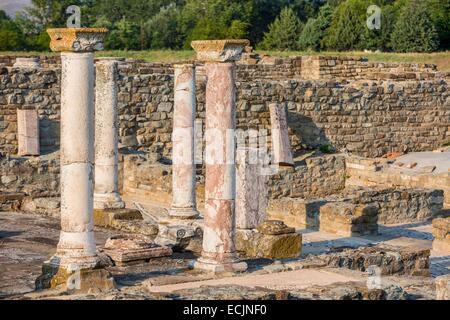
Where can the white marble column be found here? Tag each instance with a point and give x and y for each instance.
(219, 252)
(183, 155)
(106, 192)
(76, 248)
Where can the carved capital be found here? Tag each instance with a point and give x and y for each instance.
(77, 39)
(219, 50)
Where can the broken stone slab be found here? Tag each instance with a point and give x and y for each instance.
(27, 62)
(391, 260)
(125, 250)
(181, 237)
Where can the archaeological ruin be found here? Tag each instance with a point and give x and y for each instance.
(233, 176)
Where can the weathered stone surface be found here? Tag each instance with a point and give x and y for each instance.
(391, 260)
(258, 245)
(347, 219)
(10, 201)
(27, 62)
(128, 249)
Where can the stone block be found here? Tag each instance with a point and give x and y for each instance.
(28, 132)
(347, 219)
(273, 244)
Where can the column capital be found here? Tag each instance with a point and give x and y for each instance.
(77, 39)
(219, 50)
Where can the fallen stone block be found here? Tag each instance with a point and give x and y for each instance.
(125, 250)
(272, 240)
(347, 219)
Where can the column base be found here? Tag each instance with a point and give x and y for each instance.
(108, 201)
(183, 213)
(219, 267)
(78, 278)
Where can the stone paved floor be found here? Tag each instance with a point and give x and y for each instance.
(26, 241)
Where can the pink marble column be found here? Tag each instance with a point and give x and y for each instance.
(183, 161)
(219, 252)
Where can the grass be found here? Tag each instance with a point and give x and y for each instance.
(441, 59)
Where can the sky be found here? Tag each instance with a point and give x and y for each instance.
(12, 6)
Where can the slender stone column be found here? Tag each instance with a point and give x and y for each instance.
(106, 193)
(219, 253)
(183, 167)
(76, 254)
(282, 153)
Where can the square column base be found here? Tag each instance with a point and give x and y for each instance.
(77, 280)
(219, 267)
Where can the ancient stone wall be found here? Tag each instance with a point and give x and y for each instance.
(357, 68)
(367, 118)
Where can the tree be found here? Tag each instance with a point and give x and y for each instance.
(414, 31)
(348, 26)
(11, 37)
(214, 19)
(283, 32)
(314, 29)
(161, 29)
(439, 11)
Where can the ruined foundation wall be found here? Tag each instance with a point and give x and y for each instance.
(367, 118)
(375, 173)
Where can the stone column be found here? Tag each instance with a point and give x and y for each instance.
(106, 193)
(183, 167)
(219, 253)
(76, 261)
(281, 146)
